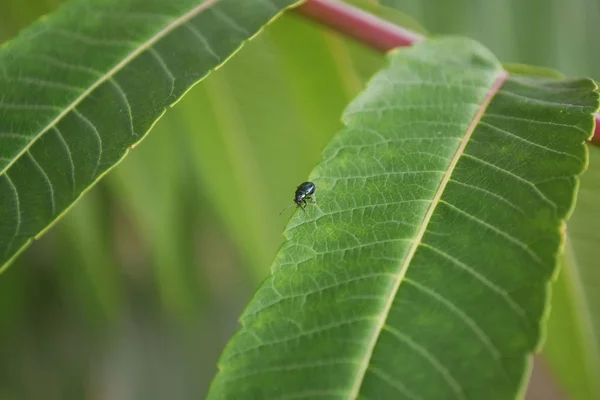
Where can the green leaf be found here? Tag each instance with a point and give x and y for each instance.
(573, 344)
(83, 86)
(422, 272)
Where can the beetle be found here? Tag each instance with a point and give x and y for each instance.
(304, 192)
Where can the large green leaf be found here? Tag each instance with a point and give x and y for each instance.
(83, 86)
(423, 271)
(517, 31)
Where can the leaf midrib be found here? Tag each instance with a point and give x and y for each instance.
(113, 71)
(364, 364)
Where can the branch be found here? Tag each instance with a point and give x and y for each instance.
(362, 26)
(371, 30)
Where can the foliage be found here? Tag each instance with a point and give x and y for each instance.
(205, 190)
(77, 120)
(435, 238)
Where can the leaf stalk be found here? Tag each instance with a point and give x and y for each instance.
(372, 31)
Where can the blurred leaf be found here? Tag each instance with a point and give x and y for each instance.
(423, 270)
(389, 14)
(573, 343)
(108, 70)
(86, 232)
(15, 14)
(534, 71)
(153, 188)
(563, 37)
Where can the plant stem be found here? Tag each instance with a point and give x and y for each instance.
(371, 30)
(362, 26)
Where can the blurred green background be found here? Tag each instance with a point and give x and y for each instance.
(135, 292)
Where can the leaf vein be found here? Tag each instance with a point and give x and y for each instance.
(290, 368)
(521, 139)
(537, 191)
(61, 64)
(498, 231)
(516, 308)
(163, 64)
(396, 385)
(69, 155)
(534, 121)
(318, 290)
(314, 331)
(494, 195)
(126, 103)
(18, 207)
(229, 21)
(90, 41)
(28, 107)
(41, 83)
(202, 40)
(96, 135)
(9, 135)
(459, 393)
(462, 315)
(46, 179)
(540, 101)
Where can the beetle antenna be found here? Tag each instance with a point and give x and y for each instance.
(286, 208)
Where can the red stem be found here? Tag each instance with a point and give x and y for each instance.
(372, 30)
(362, 26)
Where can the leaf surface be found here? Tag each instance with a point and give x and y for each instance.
(83, 86)
(422, 271)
